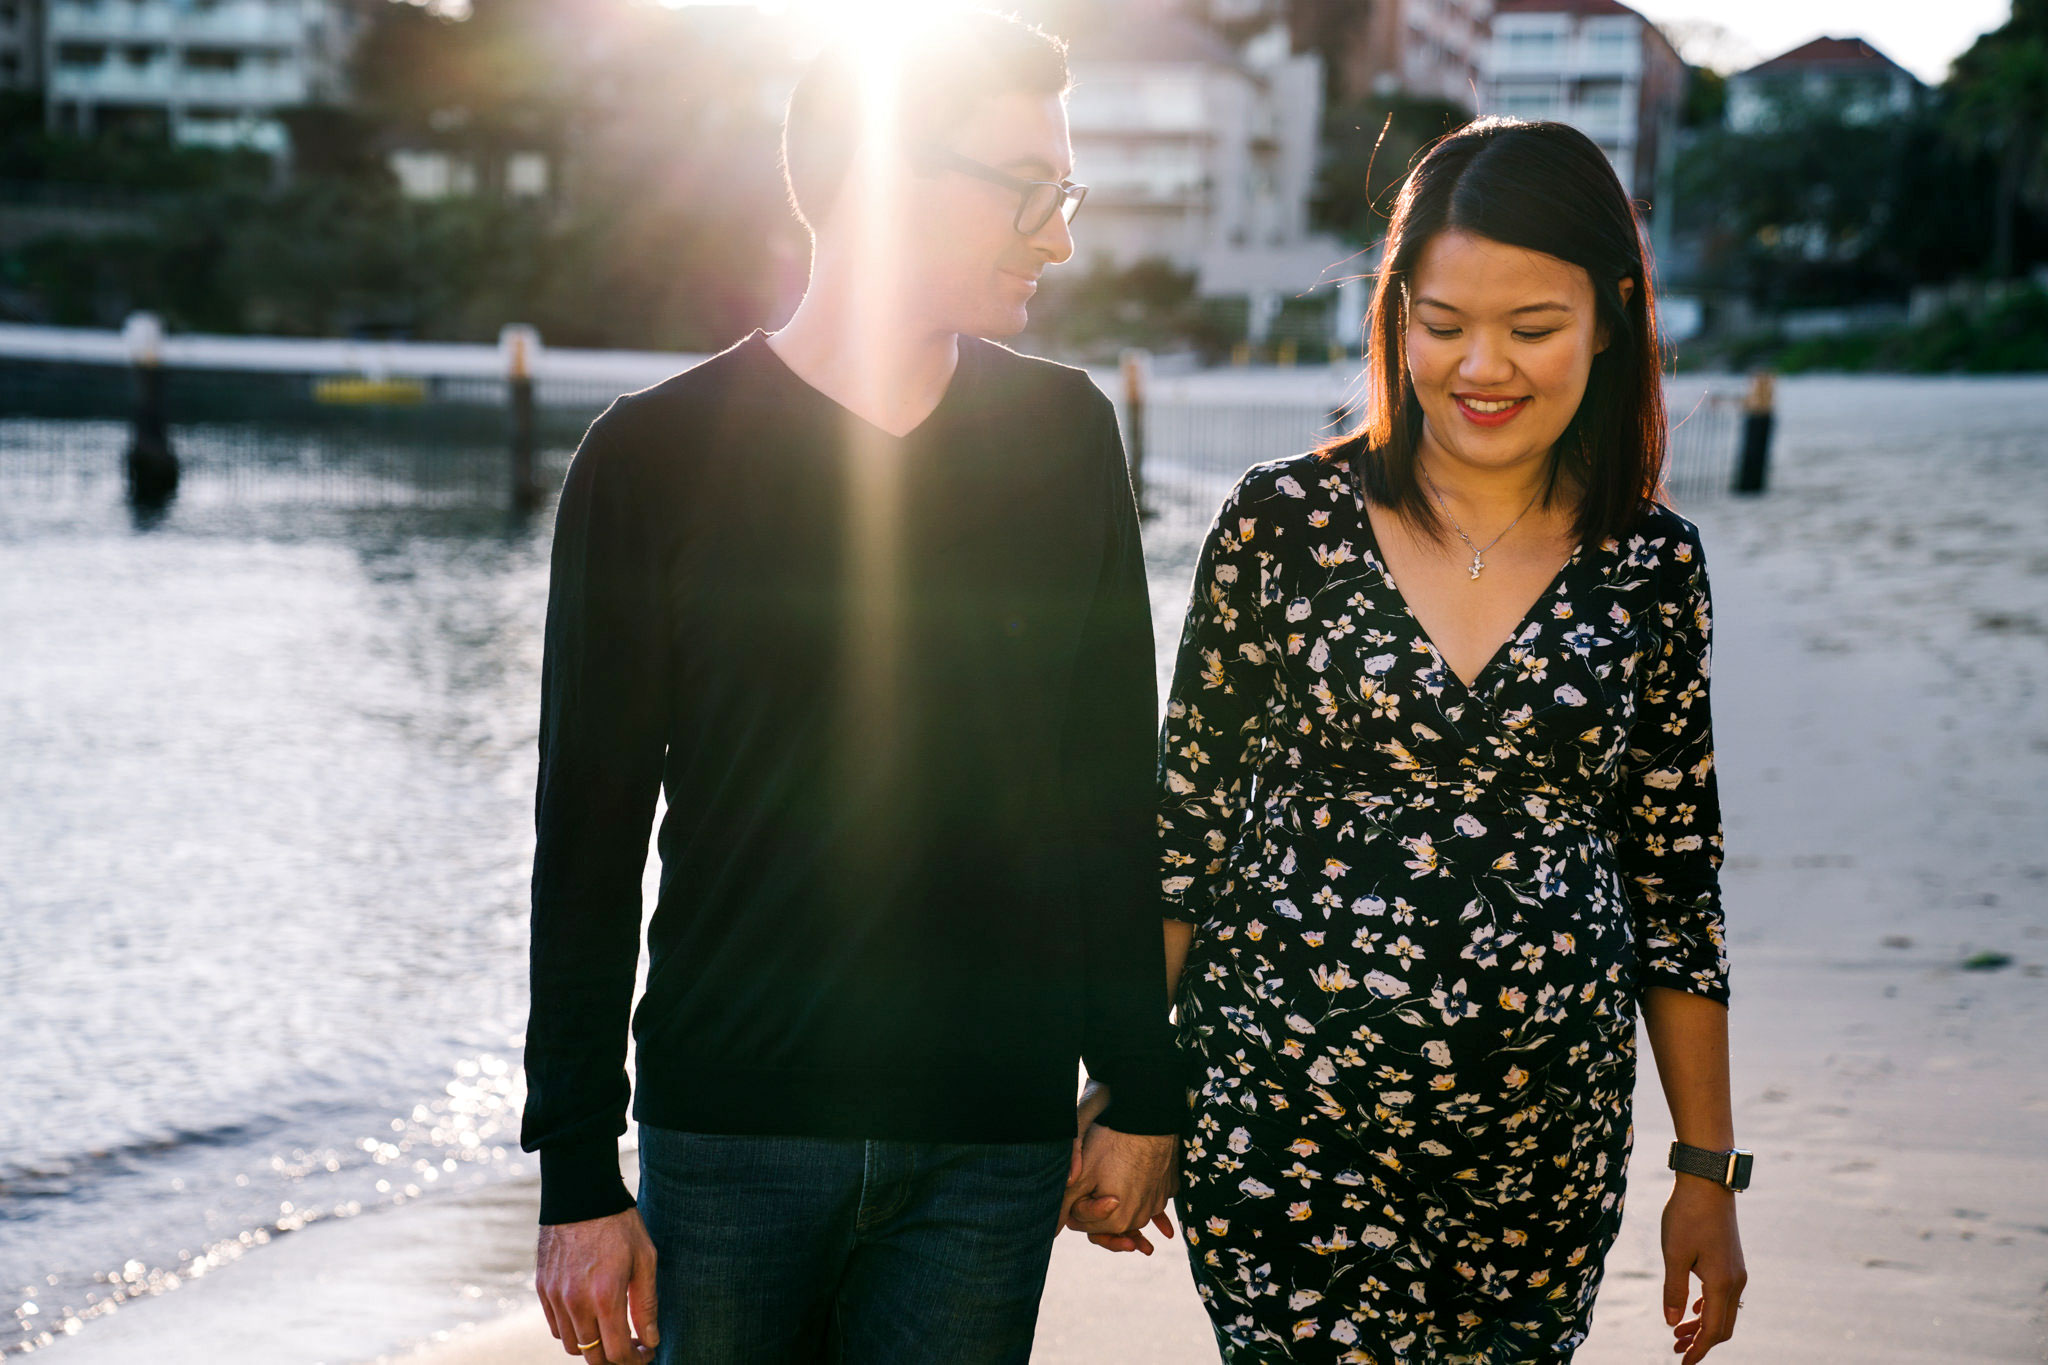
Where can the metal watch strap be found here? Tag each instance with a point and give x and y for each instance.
(1729, 1169)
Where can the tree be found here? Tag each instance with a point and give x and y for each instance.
(1369, 145)
(1998, 100)
(1819, 210)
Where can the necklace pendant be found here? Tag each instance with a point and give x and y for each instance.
(1477, 564)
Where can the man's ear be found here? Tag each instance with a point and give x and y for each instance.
(1628, 291)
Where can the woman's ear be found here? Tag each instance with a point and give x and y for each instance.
(1628, 291)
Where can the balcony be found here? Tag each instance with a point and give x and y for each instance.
(164, 82)
(1576, 57)
(1607, 124)
(121, 21)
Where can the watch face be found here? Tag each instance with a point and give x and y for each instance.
(1742, 1160)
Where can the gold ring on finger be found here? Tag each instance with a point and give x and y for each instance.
(589, 1345)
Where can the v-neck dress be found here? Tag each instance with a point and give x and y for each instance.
(1424, 915)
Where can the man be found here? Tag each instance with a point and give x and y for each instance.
(865, 599)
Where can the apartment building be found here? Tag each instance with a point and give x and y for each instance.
(1200, 152)
(1425, 48)
(199, 71)
(21, 45)
(1597, 65)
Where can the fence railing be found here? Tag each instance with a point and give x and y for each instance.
(1191, 452)
(336, 422)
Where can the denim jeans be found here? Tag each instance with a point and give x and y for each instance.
(797, 1249)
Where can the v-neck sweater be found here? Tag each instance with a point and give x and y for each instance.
(899, 694)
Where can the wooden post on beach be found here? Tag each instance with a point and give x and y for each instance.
(1137, 370)
(517, 344)
(1752, 473)
(152, 465)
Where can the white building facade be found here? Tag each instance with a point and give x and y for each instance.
(1201, 154)
(214, 72)
(21, 44)
(1596, 65)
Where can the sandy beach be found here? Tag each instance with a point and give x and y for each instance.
(1882, 726)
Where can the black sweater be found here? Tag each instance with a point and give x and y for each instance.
(900, 695)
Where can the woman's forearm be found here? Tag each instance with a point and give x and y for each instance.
(1689, 1036)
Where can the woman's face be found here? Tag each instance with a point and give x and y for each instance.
(1500, 342)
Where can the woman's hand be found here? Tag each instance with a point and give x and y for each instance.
(1700, 1239)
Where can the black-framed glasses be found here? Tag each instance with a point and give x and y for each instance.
(1038, 199)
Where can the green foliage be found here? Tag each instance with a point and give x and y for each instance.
(1706, 98)
(1997, 94)
(123, 161)
(1149, 303)
(1369, 145)
(2010, 336)
(1819, 211)
(665, 229)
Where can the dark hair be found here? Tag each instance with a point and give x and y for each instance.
(946, 66)
(1545, 187)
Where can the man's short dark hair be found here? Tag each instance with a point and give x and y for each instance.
(946, 67)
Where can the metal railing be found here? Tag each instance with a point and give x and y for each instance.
(377, 423)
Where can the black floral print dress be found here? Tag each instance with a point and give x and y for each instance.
(1424, 915)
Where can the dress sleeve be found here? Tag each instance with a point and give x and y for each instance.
(1672, 850)
(602, 742)
(1127, 1040)
(1215, 711)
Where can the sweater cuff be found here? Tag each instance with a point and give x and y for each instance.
(580, 1180)
(1147, 1095)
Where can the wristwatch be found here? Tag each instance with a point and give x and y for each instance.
(1729, 1168)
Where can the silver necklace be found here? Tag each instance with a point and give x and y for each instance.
(1478, 552)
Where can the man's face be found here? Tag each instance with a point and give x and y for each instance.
(969, 267)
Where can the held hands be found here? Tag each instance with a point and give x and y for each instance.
(590, 1276)
(1700, 1239)
(1118, 1182)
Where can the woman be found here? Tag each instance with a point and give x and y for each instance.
(1440, 810)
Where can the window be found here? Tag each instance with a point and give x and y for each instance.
(212, 59)
(82, 55)
(1527, 101)
(526, 173)
(1600, 96)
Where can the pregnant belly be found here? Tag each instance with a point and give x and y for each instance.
(1341, 959)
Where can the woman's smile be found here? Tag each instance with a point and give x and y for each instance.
(1487, 411)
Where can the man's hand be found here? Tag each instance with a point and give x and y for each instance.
(1121, 1183)
(589, 1275)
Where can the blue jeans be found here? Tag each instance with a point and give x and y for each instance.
(797, 1249)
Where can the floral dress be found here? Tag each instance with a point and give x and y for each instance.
(1424, 914)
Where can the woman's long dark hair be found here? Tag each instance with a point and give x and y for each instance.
(1546, 187)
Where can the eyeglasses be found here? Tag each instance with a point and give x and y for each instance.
(1040, 199)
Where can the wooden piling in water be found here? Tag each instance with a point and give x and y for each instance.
(152, 466)
(517, 343)
(1752, 471)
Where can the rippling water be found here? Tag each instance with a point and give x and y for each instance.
(265, 828)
